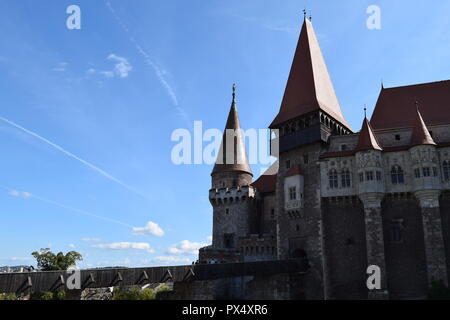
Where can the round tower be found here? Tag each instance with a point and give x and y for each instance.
(232, 196)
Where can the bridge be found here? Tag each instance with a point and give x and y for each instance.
(43, 281)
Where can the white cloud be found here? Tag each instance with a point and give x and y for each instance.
(24, 195)
(122, 67)
(20, 259)
(61, 67)
(91, 239)
(151, 228)
(170, 259)
(186, 247)
(125, 246)
(71, 245)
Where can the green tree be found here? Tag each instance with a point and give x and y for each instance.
(48, 261)
(133, 293)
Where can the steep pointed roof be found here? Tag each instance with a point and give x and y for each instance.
(420, 134)
(232, 157)
(309, 86)
(367, 139)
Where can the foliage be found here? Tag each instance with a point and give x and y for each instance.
(162, 288)
(439, 291)
(133, 293)
(47, 295)
(48, 261)
(8, 296)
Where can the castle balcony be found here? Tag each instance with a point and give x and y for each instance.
(424, 180)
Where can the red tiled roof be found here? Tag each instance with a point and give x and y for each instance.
(266, 183)
(395, 107)
(295, 170)
(309, 86)
(367, 139)
(420, 134)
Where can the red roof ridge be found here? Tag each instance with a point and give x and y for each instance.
(416, 84)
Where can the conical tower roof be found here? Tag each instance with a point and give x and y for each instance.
(367, 139)
(232, 155)
(420, 134)
(309, 86)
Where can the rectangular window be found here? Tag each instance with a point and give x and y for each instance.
(228, 239)
(417, 173)
(345, 179)
(288, 164)
(396, 231)
(378, 176)
(272, 213)
(305, 159)
(361, 177)
(227, 211)
(343, 147)
(435, 173)
(426, 171)
(369, 175)
(397, 137)
(292, 193)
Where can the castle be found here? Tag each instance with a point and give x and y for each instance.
(342, 200)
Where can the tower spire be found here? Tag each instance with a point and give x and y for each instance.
(367, 139)
(420, 134)
(232, 156)
(309, 87)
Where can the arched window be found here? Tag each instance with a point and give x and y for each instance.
(345, 178)
(446, 169)
(333, 178)
(397, 175)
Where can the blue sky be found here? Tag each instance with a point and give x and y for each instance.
(86, 115)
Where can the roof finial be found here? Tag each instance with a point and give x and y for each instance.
(310, 17)
(234, 92)
(382, 83)
(304, 14)
(365, 112)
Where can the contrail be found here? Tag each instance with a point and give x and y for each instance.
(70, 154)
(83, 212)
(157, 70)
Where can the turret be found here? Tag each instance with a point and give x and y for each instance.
(424, 157)
(368, 161)
(232, 196)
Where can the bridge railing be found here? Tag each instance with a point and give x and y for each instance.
(42, 281)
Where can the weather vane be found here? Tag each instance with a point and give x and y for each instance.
(234, 91)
